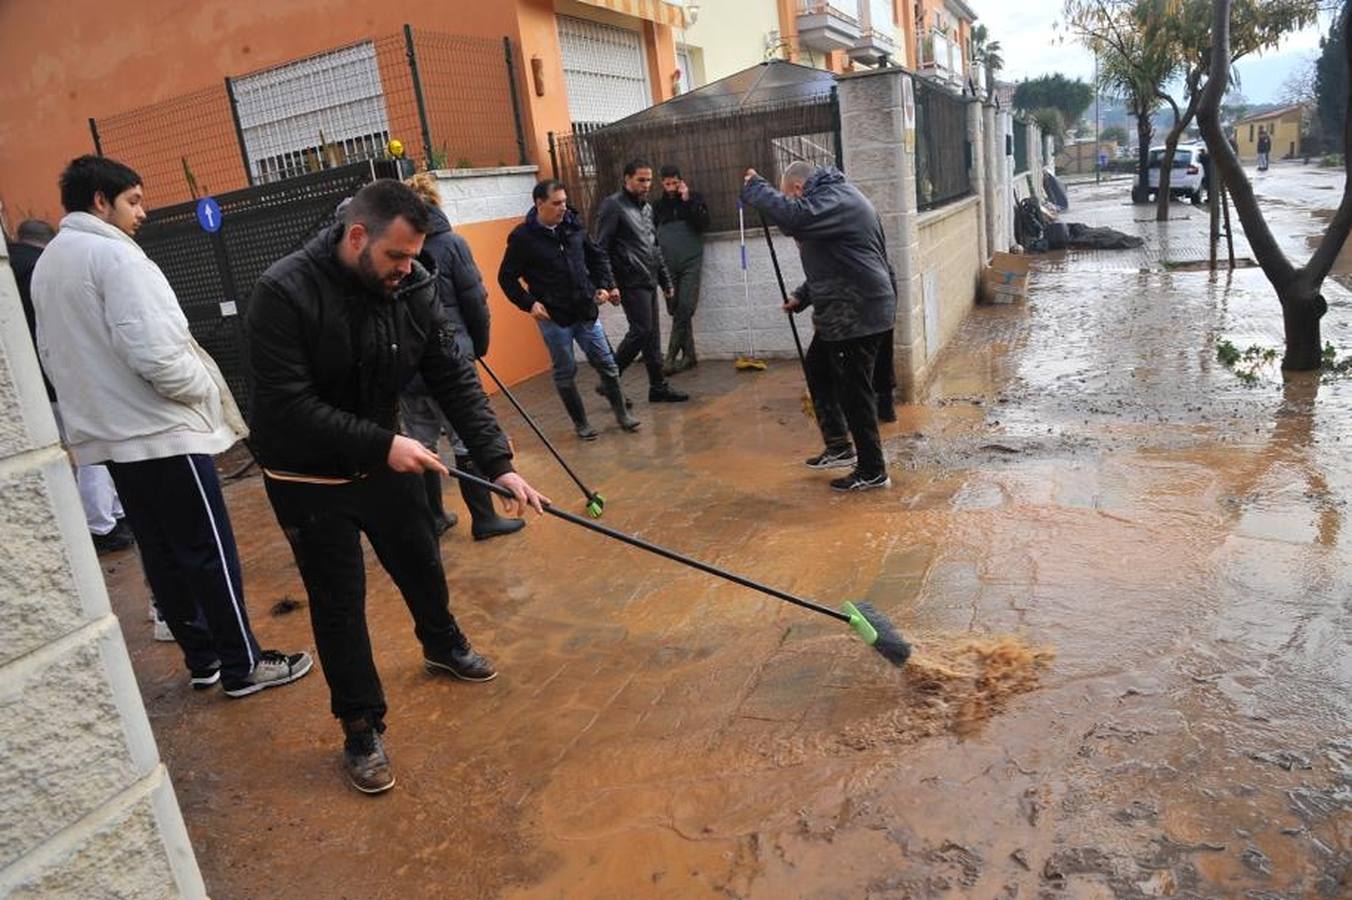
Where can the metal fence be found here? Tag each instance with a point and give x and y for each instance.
(712, 151)
(943, 153)
(213, 274)
(1020, 145)
(452, 100)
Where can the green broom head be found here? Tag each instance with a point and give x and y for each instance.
(596, 505)
(876, 630)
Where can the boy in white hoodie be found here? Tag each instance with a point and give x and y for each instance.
(140, 395)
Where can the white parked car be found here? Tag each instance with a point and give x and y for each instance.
(1188, 178)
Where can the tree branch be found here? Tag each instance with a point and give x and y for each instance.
(1321, 262)
(1270, 256)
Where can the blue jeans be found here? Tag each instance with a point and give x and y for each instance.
(590, 336)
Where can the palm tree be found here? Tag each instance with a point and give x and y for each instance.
(986, 52)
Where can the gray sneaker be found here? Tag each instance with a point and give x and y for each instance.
(273, 669)
(365, 762)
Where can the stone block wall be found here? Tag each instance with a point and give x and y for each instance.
(952, 272)
(485, 195)
(86, 807)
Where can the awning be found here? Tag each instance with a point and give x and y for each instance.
(659, 11)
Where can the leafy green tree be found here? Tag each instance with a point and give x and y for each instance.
(1330, 83)
(1070, 95)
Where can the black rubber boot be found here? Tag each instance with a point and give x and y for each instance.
(611, 387)
(485, 522)
(443, 520)
(577, 411)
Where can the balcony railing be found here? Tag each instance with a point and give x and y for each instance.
(941, 58)
(827, 26)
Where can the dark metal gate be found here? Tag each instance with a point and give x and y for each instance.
(213, 273)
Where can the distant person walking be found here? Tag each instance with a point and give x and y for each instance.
(625, 231)
(682, 218)
(138, 393)
(1264, 148)
(554, 271)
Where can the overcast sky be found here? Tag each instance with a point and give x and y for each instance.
(1031, 46)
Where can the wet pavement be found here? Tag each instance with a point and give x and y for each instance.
(1124, 570)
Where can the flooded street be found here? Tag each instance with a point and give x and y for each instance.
(1125, 572)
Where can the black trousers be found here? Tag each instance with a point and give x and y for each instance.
(324, 524)
(841, 375)
(175, 508)
(644, 335)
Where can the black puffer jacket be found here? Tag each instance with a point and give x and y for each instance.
(625, 231)
(328, 357)
(562, 269)
(460, 287)
(840, 238)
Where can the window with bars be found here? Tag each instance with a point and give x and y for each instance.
(604, 71)
(316, 113)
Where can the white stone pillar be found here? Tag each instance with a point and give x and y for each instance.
(877, 114)
(993, 148)
(87, 808)
(976, 138)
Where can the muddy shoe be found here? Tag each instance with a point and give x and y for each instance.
(665, 393)
(365, 762)
(273, 669)
(832, 458)
(461, 661)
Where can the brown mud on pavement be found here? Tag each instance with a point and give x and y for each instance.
(1126, 575)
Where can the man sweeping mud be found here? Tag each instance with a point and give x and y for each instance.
(849, 287)
(336, 330)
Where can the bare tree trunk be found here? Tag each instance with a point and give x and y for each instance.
(1141, 193)
(1162, 194)
(1296, 288)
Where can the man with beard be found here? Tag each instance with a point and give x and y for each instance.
(336, 329)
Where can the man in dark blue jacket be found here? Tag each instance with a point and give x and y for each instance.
(849, 287)
(460, 288)
(555, 272)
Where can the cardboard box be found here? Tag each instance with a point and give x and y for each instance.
(1005, 280)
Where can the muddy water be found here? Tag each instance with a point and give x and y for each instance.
(1124, 572)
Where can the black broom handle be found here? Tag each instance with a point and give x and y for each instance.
(536, 428)
(783, 291)
(661, 551)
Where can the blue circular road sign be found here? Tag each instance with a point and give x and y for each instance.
(209, 215)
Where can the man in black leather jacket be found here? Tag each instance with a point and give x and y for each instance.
(335, 330)
(625, 231)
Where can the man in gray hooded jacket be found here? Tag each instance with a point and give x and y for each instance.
(849, 287)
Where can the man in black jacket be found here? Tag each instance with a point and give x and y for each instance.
(682, 218)
(335, 330)
(554, 271)
(850, 289)
(625, 231)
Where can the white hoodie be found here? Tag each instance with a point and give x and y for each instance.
(132, 383)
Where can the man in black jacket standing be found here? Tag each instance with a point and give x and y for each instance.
(625, 231)
(554, 271)
(849, 287)
(682, 218)
(335, 330)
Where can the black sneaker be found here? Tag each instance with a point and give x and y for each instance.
(273, 669)
(365, 762)
(857, 482)
(832, 458)
(120, 538)
(201, 679)
(460, 660)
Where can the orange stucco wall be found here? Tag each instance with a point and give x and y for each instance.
(68, 61)
(516, 350)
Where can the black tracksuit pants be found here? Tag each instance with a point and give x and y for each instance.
(177, 513)
(842, 377)
(324, 524)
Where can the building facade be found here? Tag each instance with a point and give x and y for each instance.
(1283, 126)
